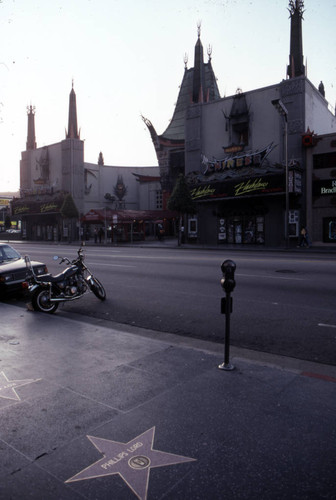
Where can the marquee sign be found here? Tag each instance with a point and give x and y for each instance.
(238, 188)
(4, 202)
(30, 207)
(242, 160)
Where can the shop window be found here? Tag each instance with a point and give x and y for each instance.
(249, 230)
(260, 230)
(329, 230)
(241, 230)
(327, 160)
(192, 228)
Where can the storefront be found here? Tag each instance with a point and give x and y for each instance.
(127, 225)
(41, 218)
(324, 213)
(246, 210)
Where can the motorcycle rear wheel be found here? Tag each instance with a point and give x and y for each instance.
(98, 289)
(41, 302)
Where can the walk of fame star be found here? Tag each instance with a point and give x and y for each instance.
(7, 387)
(132, 461)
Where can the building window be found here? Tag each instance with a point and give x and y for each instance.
(159, 200)
(241, 229)
(327, 160)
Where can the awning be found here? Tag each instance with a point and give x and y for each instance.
(127, 216)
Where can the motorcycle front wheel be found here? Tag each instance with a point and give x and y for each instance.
(97, 288)
(41, 302)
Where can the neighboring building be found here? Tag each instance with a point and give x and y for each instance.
(321, 187)
(50, 173)
(234, 155)
(5, 200)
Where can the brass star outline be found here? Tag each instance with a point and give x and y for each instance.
(7, 387)
(132, 461)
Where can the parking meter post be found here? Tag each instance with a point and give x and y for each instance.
(228, 283)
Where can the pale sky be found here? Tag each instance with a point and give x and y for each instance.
(126, 58)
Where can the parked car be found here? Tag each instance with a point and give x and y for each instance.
(13, 270)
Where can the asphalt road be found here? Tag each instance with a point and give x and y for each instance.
(283, 303)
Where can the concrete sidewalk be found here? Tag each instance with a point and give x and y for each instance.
(96, 412)
(172, 243)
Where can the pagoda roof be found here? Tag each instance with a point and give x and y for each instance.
(175, 129)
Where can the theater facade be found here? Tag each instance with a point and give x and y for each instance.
(59, 191)
(245, 156)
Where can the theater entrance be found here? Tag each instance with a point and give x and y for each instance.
(241, 229)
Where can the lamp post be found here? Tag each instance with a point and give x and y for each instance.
(282, 110)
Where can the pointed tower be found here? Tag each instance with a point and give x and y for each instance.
(199, 85)
(198, 74)
(72, 132)
(31, 140)
(296, 66)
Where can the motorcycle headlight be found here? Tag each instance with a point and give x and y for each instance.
(41, 270)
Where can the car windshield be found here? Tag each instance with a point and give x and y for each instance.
(8, 253)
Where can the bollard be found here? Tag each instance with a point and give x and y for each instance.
(228, 284)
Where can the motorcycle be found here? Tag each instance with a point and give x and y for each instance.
(48, 291)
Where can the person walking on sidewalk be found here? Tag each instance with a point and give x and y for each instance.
(304, 240)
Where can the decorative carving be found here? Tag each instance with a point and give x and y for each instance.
(120, 190)
(42, 164)
(295, 126)
(292, 87)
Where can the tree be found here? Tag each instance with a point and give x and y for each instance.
(181, 201)
(8, 223)
(69, 211)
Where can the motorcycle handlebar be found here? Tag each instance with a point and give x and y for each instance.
(68, 261)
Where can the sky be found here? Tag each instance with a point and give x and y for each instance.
(126, 59)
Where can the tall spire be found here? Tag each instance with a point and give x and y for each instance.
(296, 66)
(72, 132)
(198, 78)
(31, 140)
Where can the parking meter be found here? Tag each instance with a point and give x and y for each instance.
(228, 269)
(228, 283)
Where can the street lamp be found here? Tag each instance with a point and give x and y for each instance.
(282, 110)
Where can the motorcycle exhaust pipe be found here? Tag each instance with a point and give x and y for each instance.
(65, 299)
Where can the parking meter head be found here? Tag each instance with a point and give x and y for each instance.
(228, 269)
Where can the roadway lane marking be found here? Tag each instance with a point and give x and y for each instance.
(111, 265)
(328, 326)
(270, 277)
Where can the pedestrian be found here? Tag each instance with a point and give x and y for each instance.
(304, 240)
(95, 235)
(182, 235)
(160, 231)
(100, 234)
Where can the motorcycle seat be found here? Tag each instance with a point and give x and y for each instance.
(50, 278)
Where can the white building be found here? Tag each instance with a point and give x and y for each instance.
(48, 175)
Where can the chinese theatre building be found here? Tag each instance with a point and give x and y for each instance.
(199, 85)
(244, 155)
